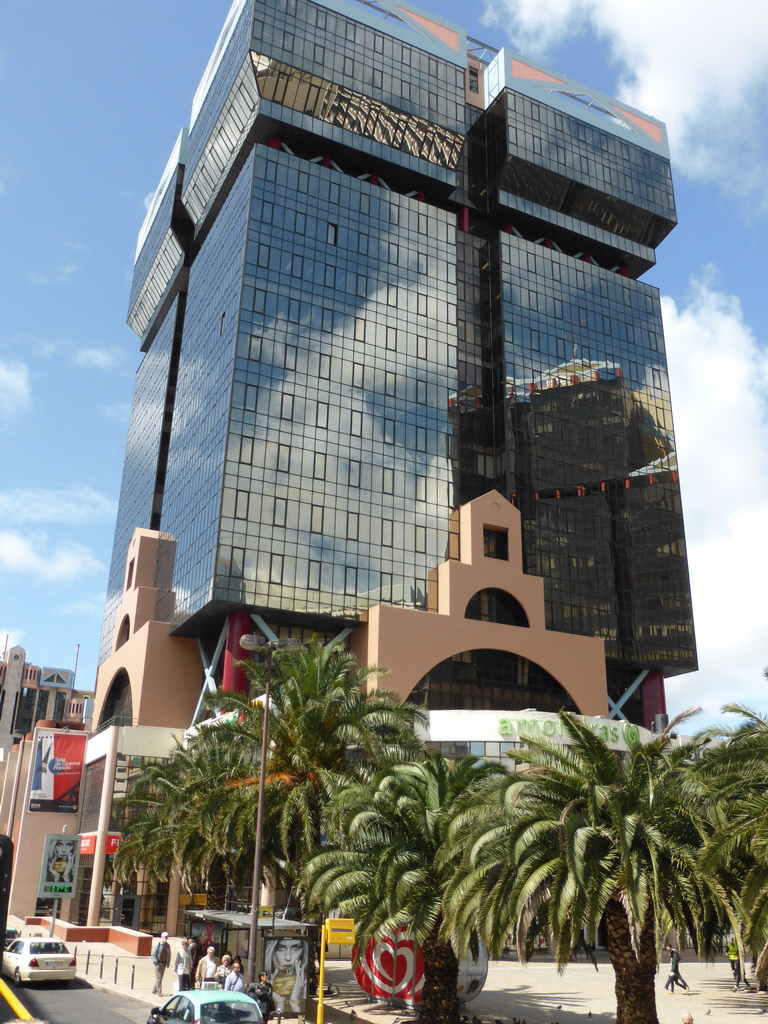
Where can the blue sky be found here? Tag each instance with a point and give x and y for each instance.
(92, 96)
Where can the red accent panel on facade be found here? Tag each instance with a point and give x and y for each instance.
(234, 680)
(464, 219)
(654, 697)
(274, 143)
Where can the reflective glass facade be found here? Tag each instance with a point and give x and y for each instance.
(365, 301)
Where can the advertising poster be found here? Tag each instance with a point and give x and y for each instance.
(58, 871)
(56, 773)
(286, 960)
(392, 970)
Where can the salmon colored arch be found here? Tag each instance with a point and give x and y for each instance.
(410, 642)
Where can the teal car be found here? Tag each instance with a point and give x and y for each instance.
(213, 1006)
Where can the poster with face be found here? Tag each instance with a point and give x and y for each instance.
(286, 960)
(59, 867)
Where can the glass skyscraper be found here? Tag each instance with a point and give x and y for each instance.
(387, 271)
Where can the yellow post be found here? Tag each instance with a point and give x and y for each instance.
(340, 930)
(321, 980)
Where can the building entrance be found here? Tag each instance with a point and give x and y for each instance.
(126, 912)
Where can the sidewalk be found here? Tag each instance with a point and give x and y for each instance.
(536, 993)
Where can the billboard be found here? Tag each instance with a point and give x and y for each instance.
(58, 871)
(56, 773)
(286, 960)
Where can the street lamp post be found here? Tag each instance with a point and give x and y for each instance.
(254, 642)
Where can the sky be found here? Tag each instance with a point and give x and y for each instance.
(92, 96)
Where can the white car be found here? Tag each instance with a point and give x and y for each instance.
(39, 960)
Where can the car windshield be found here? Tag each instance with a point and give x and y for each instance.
(229, 1012)
(35, 948)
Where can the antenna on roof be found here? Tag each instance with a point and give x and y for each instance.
(74, 670)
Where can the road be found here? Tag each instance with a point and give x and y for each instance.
(76, 1003)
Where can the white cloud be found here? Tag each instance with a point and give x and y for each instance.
(15, 391)
(27, 555)
(719, 379)
(119, 412)
(43, 349)
(11, 636)
(89, 606)
(5, 175)
(73, 505)
(100, 358)
(58, 275)
(702, 70)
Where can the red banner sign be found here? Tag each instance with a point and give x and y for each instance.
(88, 844)
(111, 843)
(57, 770)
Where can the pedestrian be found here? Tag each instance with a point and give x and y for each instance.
(687, 1018)
(206, 970)
(161, 959)
(739, 977)
(262, 993)
(224, 968)
(234, 982)
(674, 977)
(194, 954)
(183, 966)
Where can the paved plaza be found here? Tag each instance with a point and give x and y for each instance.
(536, 993)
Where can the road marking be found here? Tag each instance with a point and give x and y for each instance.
(18, 1008)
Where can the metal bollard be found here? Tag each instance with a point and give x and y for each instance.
(133, 972)
(117, 961)
(87, 961)
(101, 966)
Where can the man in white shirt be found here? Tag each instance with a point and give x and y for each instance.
(206, 970)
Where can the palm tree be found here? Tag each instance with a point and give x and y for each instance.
(582, 833)
(328, 726)
(195, 812)
(734, 774)
(382, 867)
(176, 812)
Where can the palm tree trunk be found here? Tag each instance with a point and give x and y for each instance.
(217, 886)
(440, 1000)
(635, 978)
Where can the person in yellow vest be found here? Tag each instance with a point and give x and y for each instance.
(739, 977)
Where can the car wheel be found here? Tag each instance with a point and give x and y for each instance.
(17, 977)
